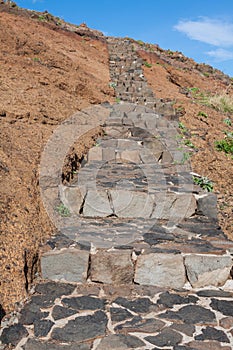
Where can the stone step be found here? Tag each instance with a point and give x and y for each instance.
(115, 251)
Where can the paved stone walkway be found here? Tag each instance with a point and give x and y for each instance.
(139, 260)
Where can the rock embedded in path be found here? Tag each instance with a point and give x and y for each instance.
(69, 265)
(204, 270)
(167, 337)
(13, 334)
(191, 314)
(37, 345)
(120, 342)
(82, 328)
(113, 267)
(97, 204)
(163, 270)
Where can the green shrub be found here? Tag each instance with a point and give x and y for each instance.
(204, 183)
(225, 145)
(63, 210)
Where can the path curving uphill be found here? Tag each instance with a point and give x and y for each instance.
(139, 260)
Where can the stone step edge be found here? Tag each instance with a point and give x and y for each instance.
(112, 266)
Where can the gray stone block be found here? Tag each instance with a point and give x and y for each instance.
(163, 270)
(95, 153)
(131, 204)
(68, 265)
(97, 204)
(174, 206)
(71, 197)
(207, 206)
(113, 267)
(205, 270)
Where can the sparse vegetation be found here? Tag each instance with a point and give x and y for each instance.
(203, 182)
(221, 102)
(225, 145)
(147, 64)
(140, 42)
(202, 114)
(113, 85)
(63, 210)
(227, 121)
(189, 143)
(41, 18)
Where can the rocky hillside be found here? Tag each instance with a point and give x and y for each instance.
(48, 71)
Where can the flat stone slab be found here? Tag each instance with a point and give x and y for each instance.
(164, 270)
(131, 204)
(69, 265)
(97, 204)
(89, 327)
(204, 270)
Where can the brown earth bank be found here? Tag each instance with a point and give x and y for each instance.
(45, 76)
(48, 71)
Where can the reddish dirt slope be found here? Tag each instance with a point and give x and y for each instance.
(45, 76)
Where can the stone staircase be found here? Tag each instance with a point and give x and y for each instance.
(139, 260)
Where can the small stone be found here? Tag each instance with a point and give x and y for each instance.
(204, 270)
(191, 314)
(204, 345)
(119, 314)
(163, 270)
(187, 329)
(70, 265)
(97, 204)
(112, 267)
(210, 333)
(140, 305)
(42, 327)
(226, 322)
(84, 303)
(55, 289)
(138, 324)
(13, 334)
(167, 337)
(214, 293)
(37, 345)
(121, 342)
(60, 312)
(30, 313)
(170, 299)
(223, 306)
(82, 329)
